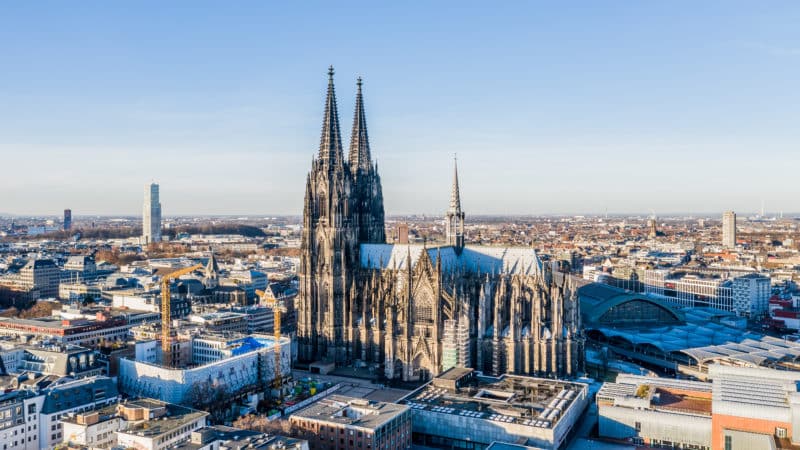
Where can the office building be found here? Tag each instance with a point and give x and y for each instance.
(67, 219)
(42, 275)
(80, 268)
(151, 217)
(729, 229)
(103, 327)
(218, 322)
(461, 409)
(338, 423)
(746, 295)
(690, 289)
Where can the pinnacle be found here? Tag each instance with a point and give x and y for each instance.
(360, 157)
(455, 195)
(330, 146)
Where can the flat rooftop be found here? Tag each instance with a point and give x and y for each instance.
(682, 401)
(659, 394)
(104, 413)
(527, 401)
(176, 417)
(351, 411)
(235, 439)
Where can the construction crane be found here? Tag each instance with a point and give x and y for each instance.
(166, 313)
(278, 308)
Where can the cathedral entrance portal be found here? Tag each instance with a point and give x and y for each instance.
(420, 368)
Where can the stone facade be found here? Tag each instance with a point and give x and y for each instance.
(362, 300)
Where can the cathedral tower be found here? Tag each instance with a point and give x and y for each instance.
(343, 208)
(329, 251)
(369, 196)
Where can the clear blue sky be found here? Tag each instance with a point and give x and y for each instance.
(554, 107)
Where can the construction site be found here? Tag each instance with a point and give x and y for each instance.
(196, 367)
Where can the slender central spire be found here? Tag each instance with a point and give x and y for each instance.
(360, 157)
(454, 219)
(455, 195)
(330, 145)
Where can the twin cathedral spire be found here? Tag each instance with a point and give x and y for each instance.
(347, 192)
(331, 151)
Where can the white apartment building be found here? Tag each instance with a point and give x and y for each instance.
(729, 229)
(751, 295)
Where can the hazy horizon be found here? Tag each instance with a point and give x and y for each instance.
(552, 109)
(393, 216)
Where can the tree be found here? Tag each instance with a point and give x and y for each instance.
(210, 397)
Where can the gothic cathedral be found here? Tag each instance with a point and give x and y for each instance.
(415, 310)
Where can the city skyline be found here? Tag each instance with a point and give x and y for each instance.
(668, 126)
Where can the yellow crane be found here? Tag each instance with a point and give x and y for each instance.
(278, 308)
(166, 313)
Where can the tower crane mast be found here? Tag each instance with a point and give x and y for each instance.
(278, 308)
(166, 311)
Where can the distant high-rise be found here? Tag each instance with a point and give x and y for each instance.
(652, 230)
(151, 217)
(67, 219)
(729, 229)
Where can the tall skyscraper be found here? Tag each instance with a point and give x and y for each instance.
(151, 217)
(729, 229)
(67, 219)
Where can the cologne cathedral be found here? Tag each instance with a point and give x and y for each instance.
(414, 310)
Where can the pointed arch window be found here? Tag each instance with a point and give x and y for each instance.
(423, 308)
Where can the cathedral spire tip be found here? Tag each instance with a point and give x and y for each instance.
(330, 147)
(360, 158)
(455, 194)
